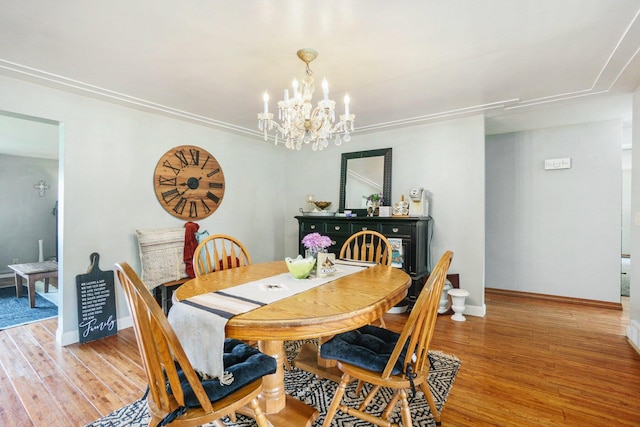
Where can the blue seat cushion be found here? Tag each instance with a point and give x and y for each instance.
(368, 347)
(245, 362)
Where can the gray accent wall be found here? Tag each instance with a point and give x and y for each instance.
(555, 232)
(26, 217)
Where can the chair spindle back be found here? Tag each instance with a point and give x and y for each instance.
(419, 327)
(219, 252)
(369, 246)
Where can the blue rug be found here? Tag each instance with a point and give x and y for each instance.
(15, 311)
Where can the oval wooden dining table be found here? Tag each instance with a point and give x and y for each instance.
(340, 305)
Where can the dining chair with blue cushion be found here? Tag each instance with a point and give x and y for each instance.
(178, 395)
(383, 358)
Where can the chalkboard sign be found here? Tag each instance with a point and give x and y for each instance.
(96, 303)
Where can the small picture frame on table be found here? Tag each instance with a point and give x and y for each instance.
(326, 264)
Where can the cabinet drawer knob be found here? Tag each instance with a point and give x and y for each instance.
(313, 227)
(365, 228)
(337, 228)
(394, 229)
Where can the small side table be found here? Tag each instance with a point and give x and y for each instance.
(33, 272)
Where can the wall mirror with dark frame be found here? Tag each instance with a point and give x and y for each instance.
(363, 173)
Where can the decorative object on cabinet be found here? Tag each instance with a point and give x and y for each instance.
(189, 182)
(419, 205)
(300, 121)
(317, 213)
(322, 205)
(413, 233)
(397, 252)
(401, 208)
(374, 201)
(363, 173)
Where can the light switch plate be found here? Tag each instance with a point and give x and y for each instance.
(551, 164)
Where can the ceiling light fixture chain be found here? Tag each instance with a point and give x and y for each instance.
(298, 122)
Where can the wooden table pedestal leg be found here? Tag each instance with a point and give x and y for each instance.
(281, 409)
(309, 360)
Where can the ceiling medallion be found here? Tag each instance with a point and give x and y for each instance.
(298, 122)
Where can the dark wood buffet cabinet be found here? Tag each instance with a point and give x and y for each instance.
(414, 232)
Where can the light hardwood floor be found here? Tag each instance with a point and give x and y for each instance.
(527, 363)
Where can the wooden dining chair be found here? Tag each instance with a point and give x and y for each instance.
(387, 359)
(367, 245)
(219, 252)
(177, 394)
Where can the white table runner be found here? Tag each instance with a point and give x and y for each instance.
(199, 321)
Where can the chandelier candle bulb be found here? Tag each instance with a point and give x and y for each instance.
(265, 98)
(295, 88)
(346, 105)
(325, 89)
(286, 95)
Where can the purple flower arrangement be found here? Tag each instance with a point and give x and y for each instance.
(316, 241)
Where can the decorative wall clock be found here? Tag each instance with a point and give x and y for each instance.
(189, 182)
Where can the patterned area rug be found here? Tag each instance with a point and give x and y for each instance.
(15, 311)
(318, 393)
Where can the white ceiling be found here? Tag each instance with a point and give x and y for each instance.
(402, 62)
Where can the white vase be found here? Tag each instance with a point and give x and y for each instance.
(457, 303)
(314, 253)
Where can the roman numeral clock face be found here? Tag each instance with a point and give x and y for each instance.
(189, 182)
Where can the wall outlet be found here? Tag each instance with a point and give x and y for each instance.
(15, 261)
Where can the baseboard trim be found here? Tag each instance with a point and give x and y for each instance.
(633, 334)
(555, 298)
(72, 337)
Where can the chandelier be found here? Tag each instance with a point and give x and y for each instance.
(298, 122)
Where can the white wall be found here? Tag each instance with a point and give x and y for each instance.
(627, 163)
(555, 232)
(446, 158)
(633, 331)
(108, 154)
(107, 159)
